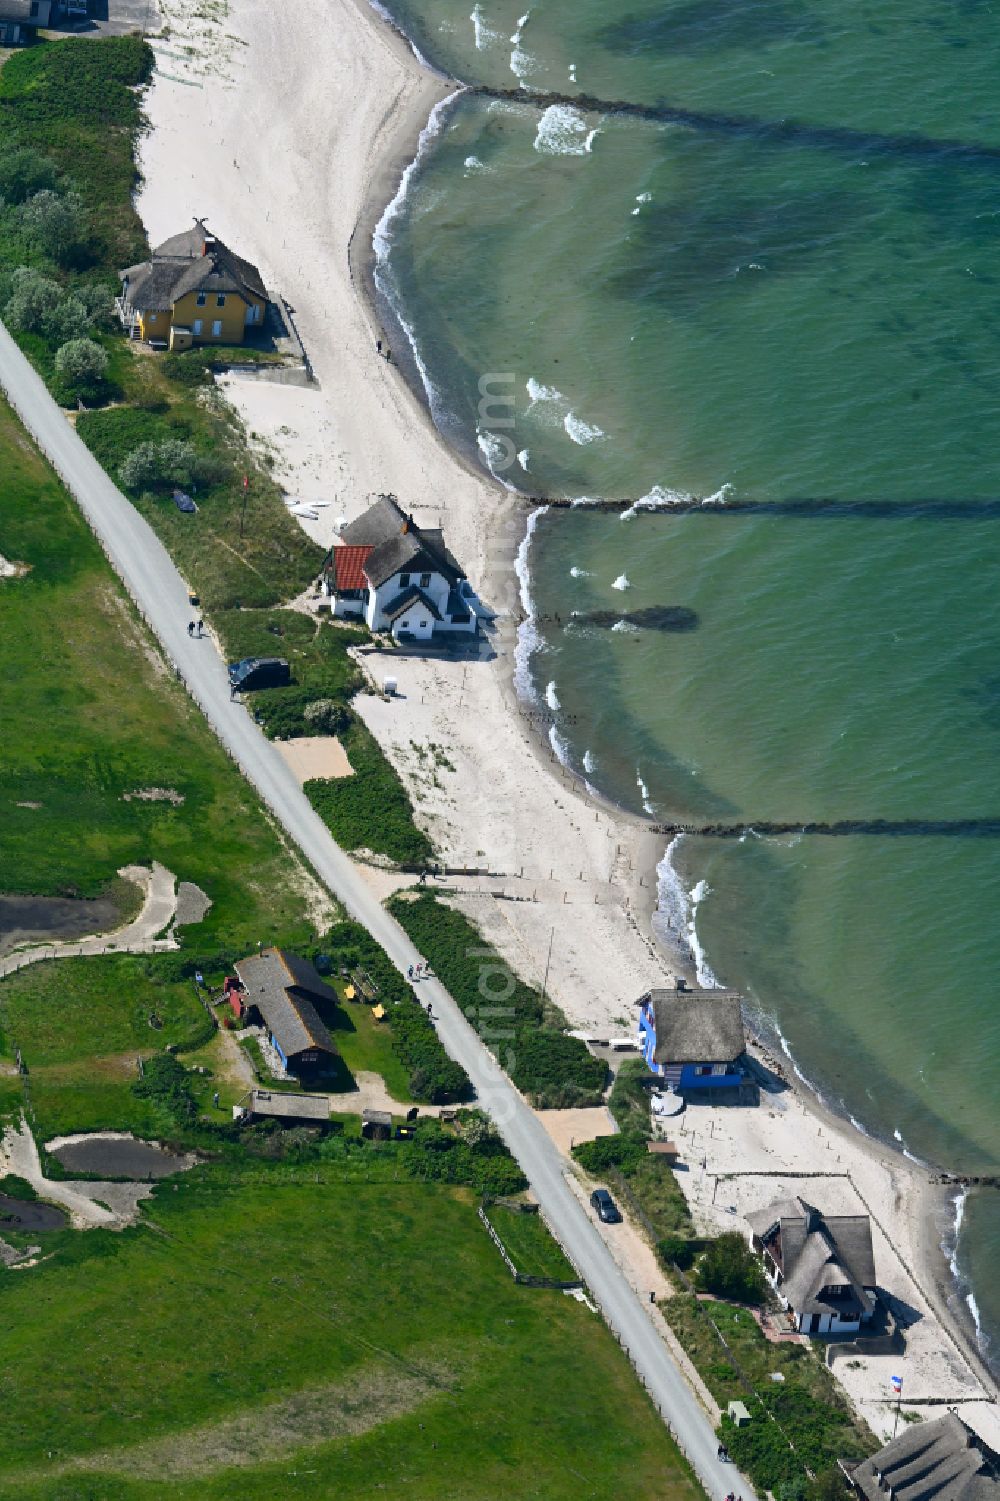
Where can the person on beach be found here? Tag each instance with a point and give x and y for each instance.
(378, 346)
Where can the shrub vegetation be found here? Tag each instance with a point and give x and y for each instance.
(526, 1033)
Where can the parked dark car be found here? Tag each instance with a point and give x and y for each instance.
(184, 502)
(259, 672)
(607, 1209)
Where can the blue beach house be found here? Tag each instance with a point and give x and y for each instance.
(692, 1039)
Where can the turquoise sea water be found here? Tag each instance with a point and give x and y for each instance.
(786, 301)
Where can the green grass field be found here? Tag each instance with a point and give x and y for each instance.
(90, 713)
(366, 1045)
(529, 1245)
(81, 1024)
(267, 1336)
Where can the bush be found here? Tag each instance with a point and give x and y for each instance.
(434, 1076)
(70, 320)
(33, 302)
(168, 463)
(552, 1068)
(439, 1155)
(372, 809)
(165, 1083)
(23, 171)
(678, 1250)
(14, 1187)
(729, 1269)
(623, 1152)
(325, 716)
(81, 363)
(57, 224)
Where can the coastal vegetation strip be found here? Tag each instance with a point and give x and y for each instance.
(517, 1022)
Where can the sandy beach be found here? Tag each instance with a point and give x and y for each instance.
(290, 141)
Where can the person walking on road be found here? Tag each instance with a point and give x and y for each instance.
(190, 627)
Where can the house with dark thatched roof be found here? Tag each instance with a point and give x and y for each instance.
(941, 1460)
(694, 1039)
(822, 1267)
(281, 991)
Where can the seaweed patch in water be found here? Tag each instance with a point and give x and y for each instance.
(652, 618)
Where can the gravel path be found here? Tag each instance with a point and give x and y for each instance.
(161, 595)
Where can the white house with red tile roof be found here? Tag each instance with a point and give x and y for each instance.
(398, 577)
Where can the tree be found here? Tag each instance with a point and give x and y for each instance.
(82, 364)
(731, 1270)
(24, 171)
(34, 301)
(57, 223)
(69, 320)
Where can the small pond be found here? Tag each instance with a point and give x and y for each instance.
(24, 1214)
(119, 1157)
(51, 919)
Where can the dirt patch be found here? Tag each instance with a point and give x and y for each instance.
(275, 1430)
(315, 756)
(29, 804)
(192, 904)
(25, 919)
(9, 570)
(114, 1156)
(154, 795)
(115, 605)
(24, 1214)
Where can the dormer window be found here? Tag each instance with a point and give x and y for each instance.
(220, 300)
(425, 580)
(201, 299)
(404, 579)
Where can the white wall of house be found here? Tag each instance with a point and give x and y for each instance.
(418, 621)
(436, 588)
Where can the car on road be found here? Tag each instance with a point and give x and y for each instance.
(259, 672)
(607, 1209)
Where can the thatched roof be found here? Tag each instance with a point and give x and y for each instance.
(398, 544)
(696, 1026)
(941, 1460)
(194, 261)
(818, 1253)
(280, 984)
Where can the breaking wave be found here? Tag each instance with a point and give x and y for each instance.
(563, 131)
(529, 638)
(580, 431)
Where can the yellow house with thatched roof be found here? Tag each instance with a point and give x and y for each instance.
(192, 290)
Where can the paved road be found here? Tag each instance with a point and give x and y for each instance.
(150, 576)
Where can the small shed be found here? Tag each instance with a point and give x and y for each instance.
(738, 1414)
(376, 1125)
(667, 1149)
(282, 1105)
